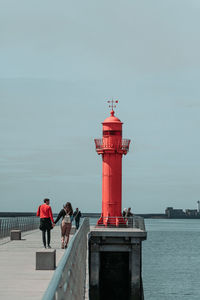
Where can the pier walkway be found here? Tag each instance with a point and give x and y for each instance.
(18, 278)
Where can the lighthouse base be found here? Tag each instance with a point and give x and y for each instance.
(112, 221)
(115, 264)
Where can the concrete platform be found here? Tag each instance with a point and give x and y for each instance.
(18, 278)
(118, 232)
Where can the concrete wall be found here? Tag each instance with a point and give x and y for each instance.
(114, 258)
(68, 281)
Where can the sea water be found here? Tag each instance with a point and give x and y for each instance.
(171, 259)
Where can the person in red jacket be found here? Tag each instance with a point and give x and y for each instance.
(46, 221)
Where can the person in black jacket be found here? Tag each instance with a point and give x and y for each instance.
(77, 216)
(67, 217)
(129, 216)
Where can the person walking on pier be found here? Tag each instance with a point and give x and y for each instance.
(67, 217)
(46, 221)
(77, 216)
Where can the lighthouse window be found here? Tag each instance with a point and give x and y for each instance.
(112, 132)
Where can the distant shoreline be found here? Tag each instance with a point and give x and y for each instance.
(97, 215)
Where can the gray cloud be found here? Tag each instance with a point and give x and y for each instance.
(59, 63)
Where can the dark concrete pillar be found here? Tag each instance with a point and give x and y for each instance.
(94, 271)
(136, 272)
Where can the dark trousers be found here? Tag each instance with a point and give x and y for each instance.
(44, 237)
(77, 223)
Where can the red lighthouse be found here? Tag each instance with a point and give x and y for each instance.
(112, 147)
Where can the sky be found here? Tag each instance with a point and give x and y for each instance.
(60, 63)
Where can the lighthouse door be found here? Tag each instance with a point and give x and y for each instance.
(114, 275)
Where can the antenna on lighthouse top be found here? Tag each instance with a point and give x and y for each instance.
(112, 104)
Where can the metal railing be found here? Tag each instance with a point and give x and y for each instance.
(122, 144)
(138, 222)
(68, 281)
(125, 222)
(21, 223)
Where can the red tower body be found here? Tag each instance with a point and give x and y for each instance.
(112, 147)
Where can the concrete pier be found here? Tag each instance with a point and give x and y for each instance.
(19, 279)
(115, 267)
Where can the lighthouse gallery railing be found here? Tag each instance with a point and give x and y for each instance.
(104, 143)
